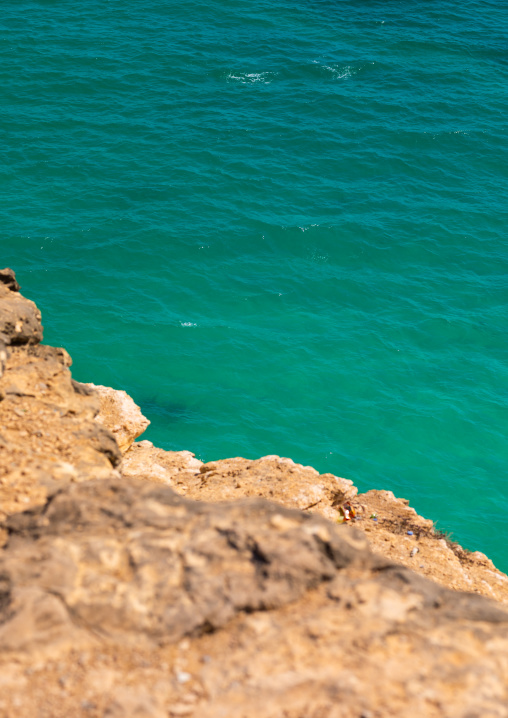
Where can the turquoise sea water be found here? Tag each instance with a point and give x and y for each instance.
(281, 227)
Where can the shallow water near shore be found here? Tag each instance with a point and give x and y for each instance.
(280, 228)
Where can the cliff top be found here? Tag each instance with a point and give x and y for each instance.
(140, 582)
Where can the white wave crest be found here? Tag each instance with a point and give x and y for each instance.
(246, 77)
(340, 74)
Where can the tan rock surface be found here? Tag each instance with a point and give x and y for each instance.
(425, 551)
(121, 596)
(20, 320)
(275, 478)
(173, 468)
(134, 561)
(120, 593)
(47, 430)
(119, 414)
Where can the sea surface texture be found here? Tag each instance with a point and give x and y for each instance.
(280, 226)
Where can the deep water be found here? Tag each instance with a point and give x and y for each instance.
(281, 227)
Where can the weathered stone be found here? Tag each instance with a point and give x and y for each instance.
(122, 597)
(120, 415)
(47, 425)
(3, 358)
(128, 703)
(285, 611)
(173, 468)
(20, 320)
(8, 277)
(134, 560)
(272, 477)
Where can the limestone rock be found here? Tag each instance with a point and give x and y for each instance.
(121, 596)
(303, 487)
(120, 415)
(133, 560)
(272, 477)
(282, 610)
(20, 320)
(4, 354)
(145, 461)
(126, 703)
(8, 277)
(47, 430)
(297, 486)
(399, 533)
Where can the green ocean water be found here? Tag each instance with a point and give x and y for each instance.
(281, 227)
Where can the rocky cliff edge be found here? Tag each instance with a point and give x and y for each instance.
(140, 582)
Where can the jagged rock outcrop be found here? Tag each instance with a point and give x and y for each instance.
(133, 561)
(122, 594)
(285, 611)
(296, 486)
(173, 468)
(47, 430)
(119, 414)
(20, 320)
(394, 528)
(272, 477)
(152, 585)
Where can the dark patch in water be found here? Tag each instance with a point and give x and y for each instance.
(170, 412)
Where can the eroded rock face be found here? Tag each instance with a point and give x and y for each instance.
(120, 596)
(173, 468)
(48, 433)
(47, 430)
(394, 528)
(8, 277)
(120, 415)
(251, 608)
(272, 477)
(132, 561)
(20, 320)
(276, 478)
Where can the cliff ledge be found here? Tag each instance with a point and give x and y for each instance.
(137, 582)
